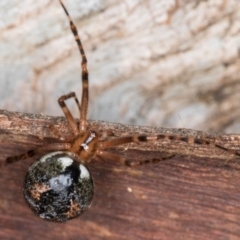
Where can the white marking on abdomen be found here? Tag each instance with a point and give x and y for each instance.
(65, 161)
(84, 172)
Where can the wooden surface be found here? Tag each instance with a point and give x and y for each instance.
(187, 197)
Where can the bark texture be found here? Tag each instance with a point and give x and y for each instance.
(186, 197)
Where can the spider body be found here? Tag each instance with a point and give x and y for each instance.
(58, 187)
(85, 145)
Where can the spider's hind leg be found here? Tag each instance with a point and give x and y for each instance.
(31, 153)
(20, 157)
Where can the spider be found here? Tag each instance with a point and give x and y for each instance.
(58, 186)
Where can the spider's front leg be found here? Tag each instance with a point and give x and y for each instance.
(85, 93)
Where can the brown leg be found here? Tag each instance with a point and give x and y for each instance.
(84, 103)
(66, 111)
(129, 163)
(144, 138)
(31, 153)
(229, 150)
(57, 134)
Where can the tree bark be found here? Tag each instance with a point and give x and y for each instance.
(194, 195)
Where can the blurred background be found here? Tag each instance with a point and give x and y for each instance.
(151, 62)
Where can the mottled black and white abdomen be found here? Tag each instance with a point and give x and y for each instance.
(58, 188)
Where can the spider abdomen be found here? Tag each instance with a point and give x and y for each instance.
(58, 188)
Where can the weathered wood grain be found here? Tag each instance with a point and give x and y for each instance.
(186, 197)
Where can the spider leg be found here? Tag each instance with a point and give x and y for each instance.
(145, 138)
(66, 111)
(31, 153)
(130, 163)
(84, 103)
(229, 150)
(57, 134)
